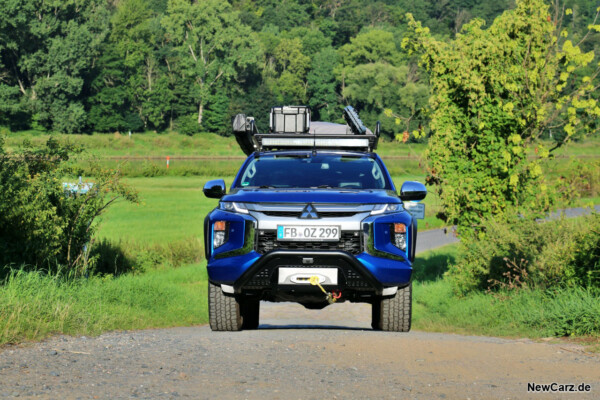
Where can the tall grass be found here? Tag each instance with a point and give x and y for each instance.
(149, 168)
(34, 306)
(140, 144)
(531, 313)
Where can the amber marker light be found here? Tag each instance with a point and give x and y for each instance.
(219, 225)
(399, 228)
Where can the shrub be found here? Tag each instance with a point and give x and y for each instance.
(520, 252)
(150, 170)
(42, 224)
(579, 179)
(187, 125)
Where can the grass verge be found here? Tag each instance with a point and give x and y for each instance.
(526, 313)
(572, 312)
(34, 306)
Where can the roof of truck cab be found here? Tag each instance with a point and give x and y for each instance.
(331, 128)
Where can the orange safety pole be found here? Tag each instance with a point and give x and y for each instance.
(168, 158)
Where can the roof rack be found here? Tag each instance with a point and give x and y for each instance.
(290, 128)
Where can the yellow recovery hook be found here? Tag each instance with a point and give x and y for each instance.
(331, 297)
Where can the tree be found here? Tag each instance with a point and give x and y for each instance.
(47, 48)
(211, 46)
(313, 40)
(384, 87)
(283, 13)
(494, 93)
(322, 96)
(292, 67)
(377, 78)
(138, 37)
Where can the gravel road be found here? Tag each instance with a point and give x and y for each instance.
(295, 354)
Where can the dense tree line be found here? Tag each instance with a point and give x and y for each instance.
(119, 65)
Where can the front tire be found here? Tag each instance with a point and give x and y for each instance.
(223, 311)
(393, 314)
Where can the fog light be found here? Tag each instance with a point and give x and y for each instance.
(400, 241)
(219, 239)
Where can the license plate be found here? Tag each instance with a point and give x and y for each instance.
(416, 209)
(313, 233)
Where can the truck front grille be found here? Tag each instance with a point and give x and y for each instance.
(267, 241)
(322, 214)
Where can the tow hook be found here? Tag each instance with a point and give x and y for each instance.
(331, 297)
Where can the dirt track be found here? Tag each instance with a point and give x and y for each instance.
(296, 354)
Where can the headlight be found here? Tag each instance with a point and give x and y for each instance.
(386, 208)
(399, 236)
(220, 233)
(233, 207)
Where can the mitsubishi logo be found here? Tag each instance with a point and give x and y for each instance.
(309, 212)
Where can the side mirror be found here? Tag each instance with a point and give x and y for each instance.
(214, 189)
(412, 190)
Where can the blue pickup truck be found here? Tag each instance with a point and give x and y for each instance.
(312, 217)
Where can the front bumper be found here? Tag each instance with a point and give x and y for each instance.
(361, 273)
(351, 273)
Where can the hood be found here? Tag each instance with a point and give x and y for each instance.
(312, 196)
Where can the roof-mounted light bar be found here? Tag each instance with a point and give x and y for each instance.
(314, 142)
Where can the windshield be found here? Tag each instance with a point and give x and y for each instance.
(318, 171)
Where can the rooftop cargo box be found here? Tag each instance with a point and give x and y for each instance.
(290, 119)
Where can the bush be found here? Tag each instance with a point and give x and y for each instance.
(524, 253)
(187, 125)
(42, 224)
(579, 179)
(150, 170)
